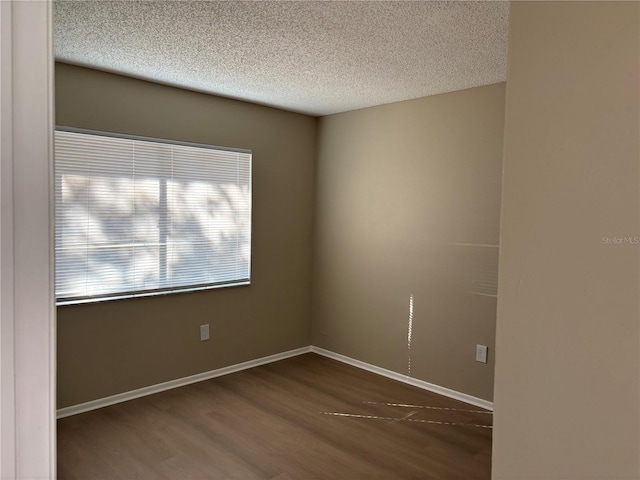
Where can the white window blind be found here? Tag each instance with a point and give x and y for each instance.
(140, 216)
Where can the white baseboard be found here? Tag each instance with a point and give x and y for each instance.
(447, 392)
(179, 382)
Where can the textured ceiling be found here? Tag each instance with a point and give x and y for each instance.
(314, 57)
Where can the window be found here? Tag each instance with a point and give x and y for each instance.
(141, 216)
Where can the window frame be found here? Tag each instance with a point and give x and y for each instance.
(161, 290)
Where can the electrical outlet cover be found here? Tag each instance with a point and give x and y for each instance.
(481, 353)
(204, 332)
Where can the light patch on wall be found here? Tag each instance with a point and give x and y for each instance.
(409, 333)
(485, 272)
(482, 260)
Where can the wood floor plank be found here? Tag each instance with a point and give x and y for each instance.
(307, 417)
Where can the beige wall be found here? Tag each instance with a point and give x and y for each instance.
(115, 346)
(398, 186)
(567, 360)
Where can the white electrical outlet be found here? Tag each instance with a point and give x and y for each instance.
(204, 332)
(481, 353)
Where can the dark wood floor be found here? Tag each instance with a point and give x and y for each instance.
(306, 417)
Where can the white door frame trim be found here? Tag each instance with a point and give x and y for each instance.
(27, 308)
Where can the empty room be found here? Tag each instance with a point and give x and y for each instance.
(320, 240)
